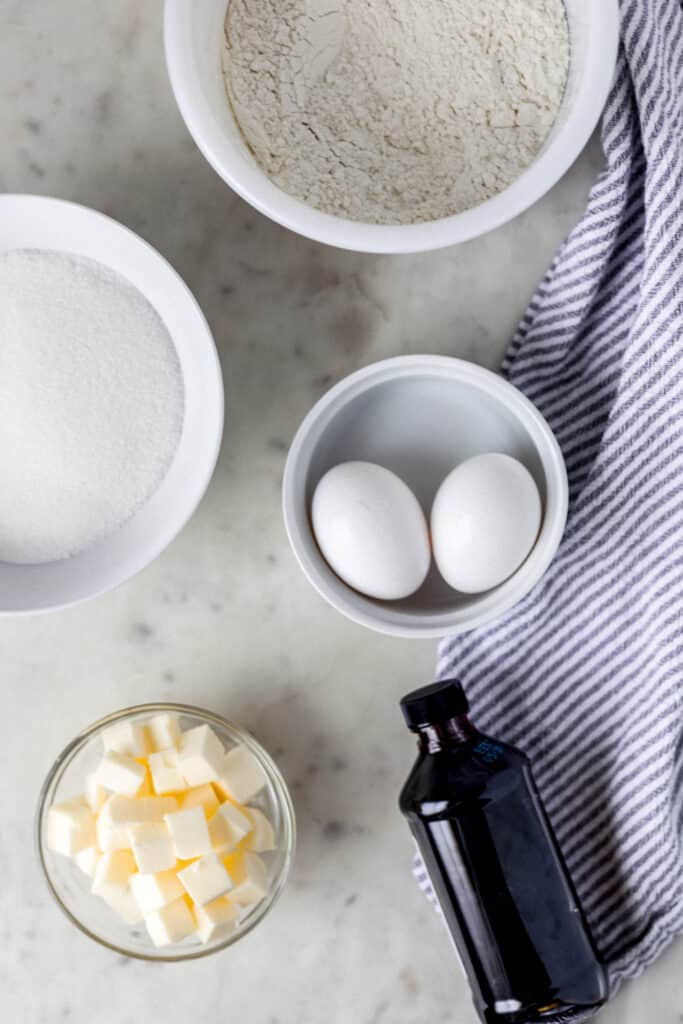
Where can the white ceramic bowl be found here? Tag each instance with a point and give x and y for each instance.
(44, 223)
(420, 416)
(194, 37)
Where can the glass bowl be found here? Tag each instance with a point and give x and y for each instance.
(71, 887)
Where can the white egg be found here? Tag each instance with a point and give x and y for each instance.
(485, 520)
(371, 530)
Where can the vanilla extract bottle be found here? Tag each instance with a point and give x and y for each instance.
(496, 869)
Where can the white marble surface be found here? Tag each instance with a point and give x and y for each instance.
(224, 618)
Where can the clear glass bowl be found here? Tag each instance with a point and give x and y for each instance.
(71, 887)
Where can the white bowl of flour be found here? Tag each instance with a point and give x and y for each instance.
(111, 403)
(394, 126)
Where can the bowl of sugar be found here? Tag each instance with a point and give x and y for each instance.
(391, 127)
(111, 403)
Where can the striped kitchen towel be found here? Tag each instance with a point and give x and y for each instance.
(586, 674)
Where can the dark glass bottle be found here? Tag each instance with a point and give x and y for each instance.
(496, 869)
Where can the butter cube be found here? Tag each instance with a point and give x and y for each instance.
(152, 892)
(250, 876)
(87, 860)
(95, 795)
(70, 827)
(200, 755)
(216, 919)
(164, 731)
(201, 796)
(119, 812)
(120, 773)
(111, 882)
(125, 738)
(228, 825)
(241, 776)
(115, 869)
(152, 847)
(261, 838)
(166, 777)
(205, 880)
(189, 832)
(121, 901)
(170, 923)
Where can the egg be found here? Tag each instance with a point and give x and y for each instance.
(371, 530)
(484, 521)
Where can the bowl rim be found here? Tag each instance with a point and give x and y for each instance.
(157, 544)
(494, 604)
(275, 777)
(549, 166)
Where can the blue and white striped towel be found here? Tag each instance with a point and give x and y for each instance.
(586, 674)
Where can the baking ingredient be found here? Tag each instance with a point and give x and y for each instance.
(250, 877)
(120, 773)
(241, 776)
(395, 111)
(228, 826)
(91, 404)
(200, 755)
(261, 837)
(165, 773)
(189, 832)
(171, 923)
(163, 857)
(152, 848)
(201, 796)
(70, 826)
(216, 919)
(495, 867)
(371, 530)
(206, 879)
(485, 520)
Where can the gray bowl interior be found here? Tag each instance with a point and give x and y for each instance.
(420, 427)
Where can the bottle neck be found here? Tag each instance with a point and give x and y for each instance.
(442, 735)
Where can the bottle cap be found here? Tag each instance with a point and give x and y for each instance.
(434, 703)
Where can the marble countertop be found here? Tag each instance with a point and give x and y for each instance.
(224, 618)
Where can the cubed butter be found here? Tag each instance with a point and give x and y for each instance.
(166, 776)
(70, 827)
(121, 901)
(227, 827)
(200, 755)
(189, 832)
(87, 860)
(115, 868)
(170, 923)
(262, 837)
(152, 847)
(120, 773)
(119, 812)
(125, 738)
(153, 892)
(206, 879)
(241, 776)
(216, 919)
(201, 796)
(95, 795)
(164, 731)
(250, 878)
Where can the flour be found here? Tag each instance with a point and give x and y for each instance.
(395, 111)
(91, 404)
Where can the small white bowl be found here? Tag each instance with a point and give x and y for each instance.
(420, 416)
(37, 222)
(194, 38)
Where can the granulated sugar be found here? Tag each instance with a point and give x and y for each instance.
(91, 404)
(395, 111)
